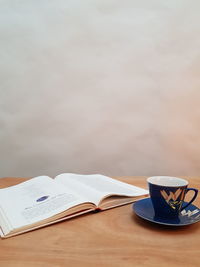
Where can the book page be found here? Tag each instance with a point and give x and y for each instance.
(34, 200)
(96, 186)
(82, 189)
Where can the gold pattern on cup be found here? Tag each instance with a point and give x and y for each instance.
(172, 197)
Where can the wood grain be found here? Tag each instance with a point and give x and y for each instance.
(115, 237)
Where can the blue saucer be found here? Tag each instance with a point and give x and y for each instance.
(144, 209)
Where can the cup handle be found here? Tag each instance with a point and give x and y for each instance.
(195, 195)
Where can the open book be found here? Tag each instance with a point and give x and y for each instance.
(42, 200)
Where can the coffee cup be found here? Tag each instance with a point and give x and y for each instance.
(167, 195)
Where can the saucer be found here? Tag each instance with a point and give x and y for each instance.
(144, 209)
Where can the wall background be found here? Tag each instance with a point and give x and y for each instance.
(99, 86)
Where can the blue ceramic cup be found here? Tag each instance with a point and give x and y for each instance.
(167, 195)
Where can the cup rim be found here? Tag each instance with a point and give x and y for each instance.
(168, 181)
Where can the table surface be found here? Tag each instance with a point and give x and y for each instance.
(116, 237)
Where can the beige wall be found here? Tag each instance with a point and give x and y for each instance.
(96, 86)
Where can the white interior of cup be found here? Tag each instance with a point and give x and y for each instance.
(167, 181)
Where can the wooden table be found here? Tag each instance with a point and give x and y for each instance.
(115, 237)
